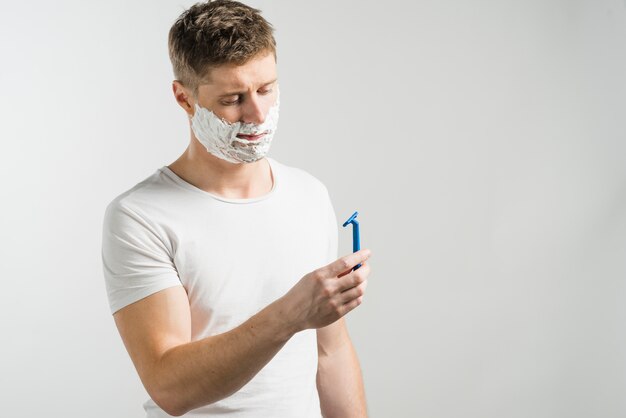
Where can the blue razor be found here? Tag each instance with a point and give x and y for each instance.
(356, 238)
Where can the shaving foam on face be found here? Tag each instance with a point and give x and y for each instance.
(219, 136)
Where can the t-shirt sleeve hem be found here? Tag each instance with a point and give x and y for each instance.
(141, 293)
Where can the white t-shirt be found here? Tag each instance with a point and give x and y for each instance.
(233, 257)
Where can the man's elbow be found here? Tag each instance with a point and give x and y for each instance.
(176, 396)
(174, 404)
(175, 400)
(167, 401)
(171, 411)
(163, 392)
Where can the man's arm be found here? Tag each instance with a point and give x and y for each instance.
(339, 380)
(181, 375)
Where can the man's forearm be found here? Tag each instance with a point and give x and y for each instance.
(205, 371)
(340, 384)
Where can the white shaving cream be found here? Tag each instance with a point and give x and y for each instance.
(220, 137)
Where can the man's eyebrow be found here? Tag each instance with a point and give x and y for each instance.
(243, 92)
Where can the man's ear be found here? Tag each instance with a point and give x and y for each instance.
(183, 97)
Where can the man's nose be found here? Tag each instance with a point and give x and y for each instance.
(253, 112)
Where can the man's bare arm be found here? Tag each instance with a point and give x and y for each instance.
(339, 379)
(181, 375)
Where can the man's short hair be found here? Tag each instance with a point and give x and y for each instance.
(215, 33)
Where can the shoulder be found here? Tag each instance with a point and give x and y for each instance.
(136, 202)
(300, 178)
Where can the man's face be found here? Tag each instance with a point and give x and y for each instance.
(241, 93)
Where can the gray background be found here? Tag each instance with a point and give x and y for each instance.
(483, 143)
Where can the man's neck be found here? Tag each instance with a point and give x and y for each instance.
(212, 174)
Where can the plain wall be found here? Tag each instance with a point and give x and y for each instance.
(482, 142)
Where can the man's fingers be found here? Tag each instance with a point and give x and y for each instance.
(354, 279)
(345, 272)
(353, 293)
(347, 262)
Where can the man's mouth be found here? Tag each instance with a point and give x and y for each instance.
(251, 137)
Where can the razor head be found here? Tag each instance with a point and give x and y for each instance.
(350, 219)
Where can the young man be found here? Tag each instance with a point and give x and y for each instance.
(221, 268)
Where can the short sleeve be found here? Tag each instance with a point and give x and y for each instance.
(135, 259)
(333, 230)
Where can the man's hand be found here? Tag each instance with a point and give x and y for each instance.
(328, 293)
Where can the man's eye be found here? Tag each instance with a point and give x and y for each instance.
(231, 103)
(234, 102)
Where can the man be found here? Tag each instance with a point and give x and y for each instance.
(221, 268)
